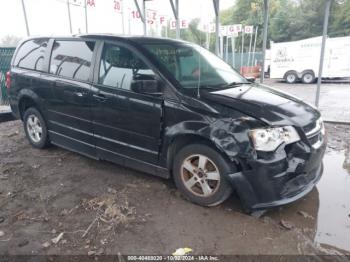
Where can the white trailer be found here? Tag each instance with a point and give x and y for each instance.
(299, 60)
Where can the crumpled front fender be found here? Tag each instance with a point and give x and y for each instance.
(230, 136)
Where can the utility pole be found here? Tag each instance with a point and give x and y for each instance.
(25, 18)
(266, 22)
(69, 17)
(323, 47)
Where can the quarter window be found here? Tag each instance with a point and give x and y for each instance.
(31, 54)
(72, 59)
(120, 68)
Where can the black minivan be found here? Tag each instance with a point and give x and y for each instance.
(169, 108)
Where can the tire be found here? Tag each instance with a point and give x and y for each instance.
(308, 77)
(35, 128)
(199, 192)
(291, 77)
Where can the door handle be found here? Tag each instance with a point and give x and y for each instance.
(100, 97)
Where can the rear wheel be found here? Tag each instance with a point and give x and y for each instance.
(308, 77)
(35, 128)
(199, 173)
(291, 77)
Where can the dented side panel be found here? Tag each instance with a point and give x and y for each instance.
(264, 179)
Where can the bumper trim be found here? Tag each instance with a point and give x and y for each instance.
(249, 199)
(291, 199)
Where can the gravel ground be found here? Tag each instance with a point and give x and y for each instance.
(334, 96)
(57, 202)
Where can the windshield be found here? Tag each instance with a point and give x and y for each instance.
(194, 66)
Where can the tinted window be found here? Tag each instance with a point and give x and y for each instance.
(31, 54)
(194, 66)
(72, 59)
(120, 67)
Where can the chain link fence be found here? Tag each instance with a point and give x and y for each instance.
(6, 54)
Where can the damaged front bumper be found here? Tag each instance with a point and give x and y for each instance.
(281, 177)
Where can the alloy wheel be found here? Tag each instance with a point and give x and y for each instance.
(34, 128)
(200, 175)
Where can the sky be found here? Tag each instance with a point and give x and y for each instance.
(50, 17)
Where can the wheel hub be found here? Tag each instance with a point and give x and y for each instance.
(34, 128)
(200, 175)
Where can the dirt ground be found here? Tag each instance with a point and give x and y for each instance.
(57, 202)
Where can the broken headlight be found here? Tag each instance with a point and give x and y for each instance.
(268, 139)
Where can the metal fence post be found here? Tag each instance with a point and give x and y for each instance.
(323, 46)
(69, 17)
(175, 8)
(86, 19)
(266, 23)
(217, 25)
(25, 18)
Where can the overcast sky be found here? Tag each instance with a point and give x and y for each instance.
(50, 17)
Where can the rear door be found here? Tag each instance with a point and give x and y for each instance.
(70, 74)
(127, 124)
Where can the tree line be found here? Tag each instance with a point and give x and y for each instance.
(289, 20)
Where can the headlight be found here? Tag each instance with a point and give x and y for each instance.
(268, 139)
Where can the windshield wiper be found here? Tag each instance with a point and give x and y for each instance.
(233, 84)
(221, 86)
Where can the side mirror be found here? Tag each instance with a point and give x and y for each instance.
(151, 87)
(250, 79)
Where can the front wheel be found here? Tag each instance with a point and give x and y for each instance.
(35, 128)
(199, 173)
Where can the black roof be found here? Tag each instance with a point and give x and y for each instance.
(137, 39)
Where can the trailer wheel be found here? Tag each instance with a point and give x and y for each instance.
(291, 77)
(308, 77)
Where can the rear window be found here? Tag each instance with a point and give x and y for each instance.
(72, 59)
(31, 54)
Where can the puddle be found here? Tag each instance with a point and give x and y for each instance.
(333, 222)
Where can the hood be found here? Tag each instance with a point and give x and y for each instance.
(266, 104)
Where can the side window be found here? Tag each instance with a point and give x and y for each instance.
(72, 59)
(120, 67)
(167, 56)
(31, 54)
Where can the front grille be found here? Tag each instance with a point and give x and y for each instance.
(314, 139)
(315, 133)
(313, 128)
(309, 127)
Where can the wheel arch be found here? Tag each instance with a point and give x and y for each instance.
(308, 71)
(181, 140)
(289, 72)
(27, 99)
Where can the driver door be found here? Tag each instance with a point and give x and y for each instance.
(127, 124)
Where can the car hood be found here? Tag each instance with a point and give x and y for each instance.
(266, 104)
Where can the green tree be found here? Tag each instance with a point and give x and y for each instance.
(290, 20)
(340, 19)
